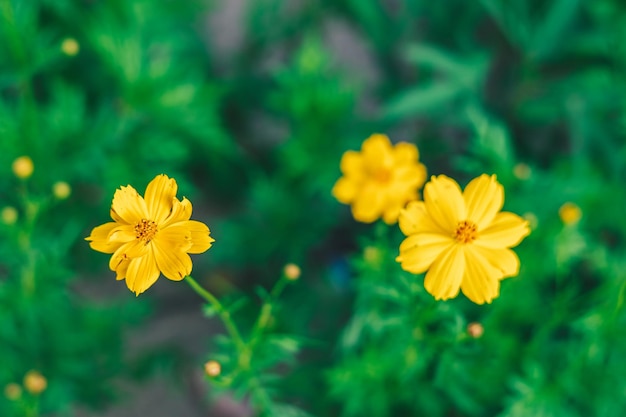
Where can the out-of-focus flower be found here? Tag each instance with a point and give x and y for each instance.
(34, 382)
(461, 238)
(522, 171)
(379, 181)
(292, 271)
(23, 167)
(532, 220)
(150, 236)
(70, 46)
(475, 330)
(61, 190)
(212, 368)
(570, 213)
(12, 391)
(9, 215)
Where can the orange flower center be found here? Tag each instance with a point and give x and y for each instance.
(146, 230)
(382, 175)
(465, 232)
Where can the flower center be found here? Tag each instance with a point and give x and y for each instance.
(146, 230)
(382, 175)
(465, 232)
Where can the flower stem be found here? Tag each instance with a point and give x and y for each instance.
(229, 324)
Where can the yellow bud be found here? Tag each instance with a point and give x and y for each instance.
(475, 330)
(522, 171)
(12, 391)
(61, 190)
(23, 167)
(570, 213)
(35, 383)
(70, 46)
(9, 215)
(292, 272)
(372, 255)
(212, 368)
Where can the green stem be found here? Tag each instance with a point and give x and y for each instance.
(266, 310)
(229, 324)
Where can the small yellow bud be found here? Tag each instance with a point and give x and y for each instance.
(61, 190)
(212, 368)
(531, 219)
(372, 255)
(570, 213)
(522, 171)
(70, 46)
(12, 391)
(292, 272)
(35, 383)
(9, 215)
(475, 330)
(23, 167)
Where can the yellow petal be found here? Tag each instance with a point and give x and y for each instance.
(159, 197)
(418, 252)
(176, 236)
(181, 211)
(415, 219)
(405, 153)
(481, 282)
(345, 190)
(200, 237)
(121, 270)
(99, 238)
(129, 250)
(504, 260)
(444, 202)
(129, 206)
(351, 164)
(377, 151)
(443, 279)
(142, 273)
(368, 205)
(123, 233)
(174, 264)
(392, 211)
(484, 197)
(506, 230)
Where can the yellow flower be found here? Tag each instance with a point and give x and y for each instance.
(570, 213)
(150, 236)
(462, 239)
(35, 383)
(61, 190)
(379, 180)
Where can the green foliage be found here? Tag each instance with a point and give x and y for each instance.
(530, 91)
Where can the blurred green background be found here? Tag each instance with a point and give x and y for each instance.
(250, 105)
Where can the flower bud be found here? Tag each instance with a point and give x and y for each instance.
(23, 167)
(12, 391)
(522, 171)
(9, 215)
(570, 213)
(475, 330)
(70, 46)
(292, 272)
(212, 368)
(61, 190)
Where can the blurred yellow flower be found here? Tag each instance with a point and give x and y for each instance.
(70, 46)
(570, 213)
(35, 383)
(12, 391)
(23, 167)
(150, 236)
(61, 190)
(461, 238)
(378, 181)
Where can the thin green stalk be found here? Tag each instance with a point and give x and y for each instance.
(231, 328)
(266, 310)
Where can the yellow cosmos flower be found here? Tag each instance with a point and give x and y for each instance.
(150, 236)
(378, 181)
(461, 238)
